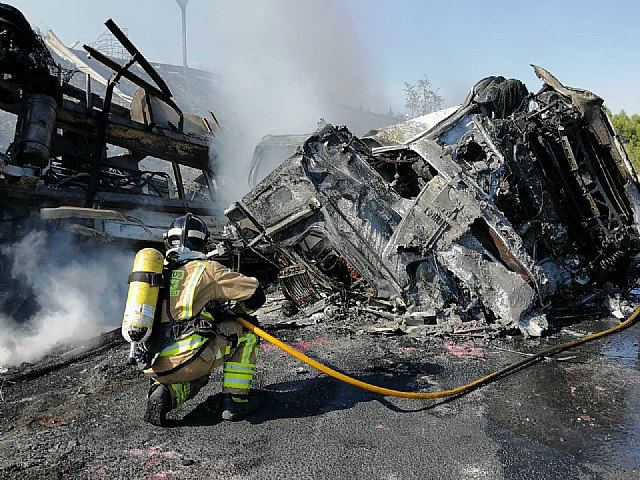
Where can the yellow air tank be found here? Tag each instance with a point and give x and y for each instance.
(144, 286)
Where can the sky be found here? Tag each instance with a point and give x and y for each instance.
(365, 50)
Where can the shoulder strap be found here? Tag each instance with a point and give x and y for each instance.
(164, 334)
(174, 329)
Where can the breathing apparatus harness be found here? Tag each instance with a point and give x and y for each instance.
(144, 353)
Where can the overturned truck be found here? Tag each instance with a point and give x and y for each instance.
(514, 209)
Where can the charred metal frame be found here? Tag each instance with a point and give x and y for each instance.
(84, 124)
(100, 142)
(510, 209)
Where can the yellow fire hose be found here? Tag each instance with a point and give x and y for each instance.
(444, 393)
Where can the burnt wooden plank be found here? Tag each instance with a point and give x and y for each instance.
(96, 100)
(159, 143)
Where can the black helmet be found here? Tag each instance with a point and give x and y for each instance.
(187, 231)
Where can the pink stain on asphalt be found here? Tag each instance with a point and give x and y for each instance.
(56, 423)
(304, 345)
(152, 452)
(162, 475)
(379, 426)
(464, 349)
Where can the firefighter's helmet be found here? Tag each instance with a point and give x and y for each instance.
(187, 231)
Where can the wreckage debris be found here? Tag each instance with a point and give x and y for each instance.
(511, 210)
(501, 214)
(77, 153)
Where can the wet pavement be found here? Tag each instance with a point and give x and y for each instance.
(585, 407)
(575, 416)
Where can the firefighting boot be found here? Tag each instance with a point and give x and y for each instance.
(236, 407)
(159, 403)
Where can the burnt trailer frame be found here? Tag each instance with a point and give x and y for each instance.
(513, 208)
(82, 125)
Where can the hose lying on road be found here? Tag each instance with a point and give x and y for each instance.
(444, 393)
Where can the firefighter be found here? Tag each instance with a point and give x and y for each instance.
(202, 335)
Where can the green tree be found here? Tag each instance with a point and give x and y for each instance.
(421, 98)
(628, 129)
(412, 98)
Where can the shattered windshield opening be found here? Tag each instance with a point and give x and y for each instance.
(402, 172)
(316, 248)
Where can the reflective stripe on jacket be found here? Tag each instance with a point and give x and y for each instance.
(191, 287)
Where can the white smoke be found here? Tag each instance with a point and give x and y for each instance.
(286, 64)
(79, 294)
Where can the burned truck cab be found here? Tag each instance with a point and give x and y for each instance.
(501, 213)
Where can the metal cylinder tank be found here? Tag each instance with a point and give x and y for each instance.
(35, 130)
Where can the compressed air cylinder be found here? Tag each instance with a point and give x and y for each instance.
(142, 298)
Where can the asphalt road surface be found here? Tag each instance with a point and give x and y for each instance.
(78, 414)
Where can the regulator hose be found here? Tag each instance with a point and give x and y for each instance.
(632, 319)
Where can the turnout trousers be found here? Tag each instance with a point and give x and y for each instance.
(235, 348)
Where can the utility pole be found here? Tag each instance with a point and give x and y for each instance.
(183, 7)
